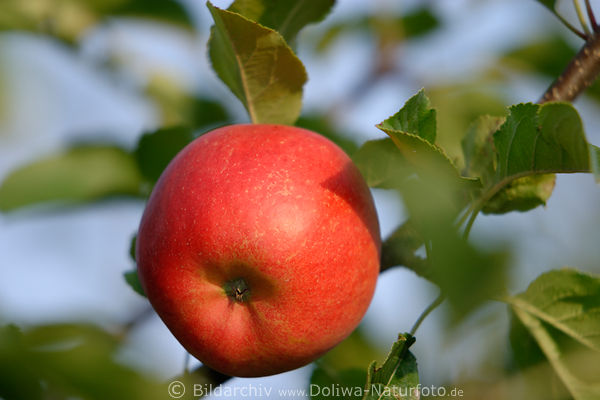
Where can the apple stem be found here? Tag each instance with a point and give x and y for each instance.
(238, 290)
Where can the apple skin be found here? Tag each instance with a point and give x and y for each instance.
(279, 209)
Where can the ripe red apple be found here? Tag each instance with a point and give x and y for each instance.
(259, 248)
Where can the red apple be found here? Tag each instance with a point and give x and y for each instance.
(259, 248)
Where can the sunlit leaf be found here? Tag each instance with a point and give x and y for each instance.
(417, 117)
(81, 174)
(522, 194)
(287, 17)
(397, 377)
(258, 66)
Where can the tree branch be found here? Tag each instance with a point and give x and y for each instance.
(580, 74)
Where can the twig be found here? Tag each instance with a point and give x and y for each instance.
(579, 74)
(439, 300)
(581, 18)
(591, 16)
(571, 27)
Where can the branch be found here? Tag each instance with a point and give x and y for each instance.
(580, 74)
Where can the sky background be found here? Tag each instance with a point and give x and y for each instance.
(67, 264)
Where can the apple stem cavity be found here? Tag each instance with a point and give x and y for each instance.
(237, 290)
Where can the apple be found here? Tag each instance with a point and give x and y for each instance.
(259, 248)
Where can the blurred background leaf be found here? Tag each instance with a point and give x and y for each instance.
(80, 174)
(67, 361)
(69, 20)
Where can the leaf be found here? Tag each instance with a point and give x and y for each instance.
(397, 377)
(67, 361)
(467, 276)
(413, 131)
(258, 66)
(549, 4)
(538, 139)
(180, 108)
(287, 17)
(386, 28)
(355, 351)
(479, 150)
(381, 164)
(480, 162)
(416, 117)
(169, 11)
(400, 247)
(568, 302)
(156, 149)
(522, 194)
(78, 175)
(345, 383)
(132, 247)
(548, 56)
(595, 161)
(133, 280)
(547, 138)
(320, 124)
(71, 20)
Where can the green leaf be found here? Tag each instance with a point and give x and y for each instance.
(68, 361)
(386, 28)
(169, 11)
(397, 377)
(69, 20)
(416, 118)
(480, 162)
(522, 194)
(413, 131)
(479, 150)
(466, 275)
(345, 384)
(258, 66)
(595, 161)
(156, 149)
(133, 280)
(541, 139)
(287, 17)
(548, 56)
(132, 247)
(381, 164)
(78, 175)
(549, 4)
(565, 302)
(400, 247)
(533, 142)
(320, 124)
(355, 351)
